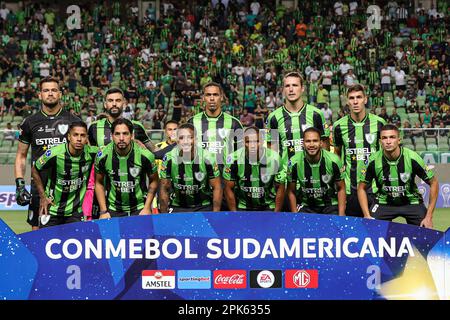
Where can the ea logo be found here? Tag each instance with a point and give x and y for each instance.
(265, 279)
(301, 279)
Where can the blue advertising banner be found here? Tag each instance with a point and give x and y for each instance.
(226, 255)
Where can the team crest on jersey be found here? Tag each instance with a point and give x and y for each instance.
(85, 168)
(62, 128)
(222, 132)
(48, 153)
(134, 171)
(405, 176)
(229, 159)
(306, 126)
(370, 137)
(326, 178)
(265, 178)
(199, 176)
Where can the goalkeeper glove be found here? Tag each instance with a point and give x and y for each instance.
(23, 197)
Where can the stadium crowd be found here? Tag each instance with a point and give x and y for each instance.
(162, 64)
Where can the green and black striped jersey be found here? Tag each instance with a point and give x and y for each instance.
(315, 182)
(358, 140)
(286, 128)
(255, 182)
(100, 132)
(68, 176)
(396, 179)
(125, 176)
(190, 179)
(219, 136)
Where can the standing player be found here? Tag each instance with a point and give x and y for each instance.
(254, 177)
(68, 166)
(170, 131)
(394, 169)
(100, 132)
(124, 166)
(192, 174)
(220, 132)
(42, 130)
(315, 180)
(356, 137)
(290, 121)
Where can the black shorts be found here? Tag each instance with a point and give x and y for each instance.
(413, 213)
(353, 209)
(115, 214)
(59, 220)
(33, 208)
(322, 210)
(206, 208)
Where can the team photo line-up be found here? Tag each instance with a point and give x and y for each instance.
(212, 163)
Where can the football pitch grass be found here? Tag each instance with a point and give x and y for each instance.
(16, 220)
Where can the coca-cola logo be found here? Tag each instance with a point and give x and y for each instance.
(230, 279)
(234, 279)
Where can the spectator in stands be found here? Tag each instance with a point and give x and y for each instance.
(9, 134)
(443, 131)
(384, 115)
(407, 131)
(426, 118)
(430, 132)
(247, 119)
(400, 100)
(395, 118)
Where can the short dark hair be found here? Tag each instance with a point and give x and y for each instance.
(189, 126)
(77, 124)
(312, 129)
(213, 84)
(389, 126)
(355, 88)
(124, 121)
(294, 74)
(114, 90)
(169, 122)
(48, 79)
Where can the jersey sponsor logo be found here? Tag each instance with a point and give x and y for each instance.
(48, 153)
(41, 160)
(229, 159)
(370, 137)
(50, 142)
(265, 279)
(85, 168)
(158, 279)
(405, 176)
(62, 128)
(326, 178)
(299, 279)
(199, 176)
(134, 171)
(230, 279)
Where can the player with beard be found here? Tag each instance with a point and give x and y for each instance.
(100, 131)
(42, 130)
(100, 135)
(315, 178)
(121, 172)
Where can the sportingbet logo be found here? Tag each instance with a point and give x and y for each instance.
(194, 279)
(158, 279)
(296, 279)
(230, 279)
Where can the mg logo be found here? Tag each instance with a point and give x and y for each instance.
(301, 279)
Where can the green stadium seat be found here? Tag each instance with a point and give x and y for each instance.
(408, 144)
(432, 147)
(389, 104)
(388, 96)
(420, 100)
(443, 146)
(413, 118)
(421, 147)
(429, 140)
